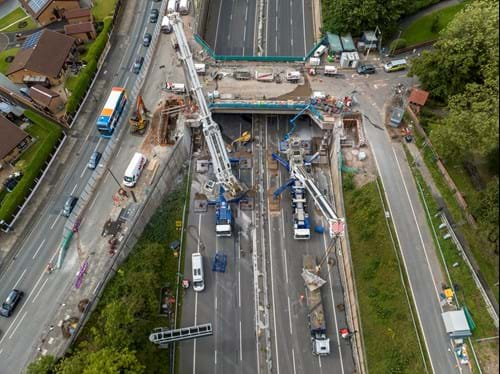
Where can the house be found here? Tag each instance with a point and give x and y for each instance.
(47, 99)
(13, 140)
(43, 54)
(48, 11)
(78, 15)
(82, 32)
(417, 99)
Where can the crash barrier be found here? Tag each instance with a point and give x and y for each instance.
(217, 57)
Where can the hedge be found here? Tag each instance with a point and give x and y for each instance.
(85, 76)
(47, 134)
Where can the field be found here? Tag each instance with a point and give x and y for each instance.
(384, 308)
(103, 9)
(4, 65)
(428, 27)
(32, 161)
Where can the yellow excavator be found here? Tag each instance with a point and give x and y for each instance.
(138, 121)
(244, 138)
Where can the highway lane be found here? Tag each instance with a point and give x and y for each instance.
(290, 335)
(227, 301)
(288, 27)
(231, 26)
(27, 270)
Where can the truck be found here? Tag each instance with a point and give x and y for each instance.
(293, 76)
(264, 75)
(330, 70)
(184, 7)
(178, 88)
(317, 325)
(242, 75)
(172, 6)
(166, 25)
(201, 69)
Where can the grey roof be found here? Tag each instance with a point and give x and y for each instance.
(7, 84)
(456, 324)
(7, 108)
(334, 42)
(369, 36)
(397, 116)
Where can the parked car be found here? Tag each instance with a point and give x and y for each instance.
(11, 302)
(11, 182)
(137, 65)
(153, 15)
(69, 205)
(366, 69)
(94, 160)
(146, 41)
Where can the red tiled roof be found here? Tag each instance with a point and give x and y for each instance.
(77, 28)
(418, 97)
(77, 13)
(42, 95)
(10, 136)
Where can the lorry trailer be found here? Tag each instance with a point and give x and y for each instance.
(317, 325)
(242, 75)
(264, 75)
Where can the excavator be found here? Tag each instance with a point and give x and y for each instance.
(138, 121)
(244, 138)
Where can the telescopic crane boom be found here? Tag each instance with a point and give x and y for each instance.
(220, 159)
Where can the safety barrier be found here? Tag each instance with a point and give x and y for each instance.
(217, 57)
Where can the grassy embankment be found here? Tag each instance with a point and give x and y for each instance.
(31, 162)
(136, 287)
(391, 341)
(466, 290)
(428, 27)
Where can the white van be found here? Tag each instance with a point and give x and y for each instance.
(171, 6)
(201, 69)
(166, 25)
(197, 264)
(134, 169)
(184, 7)
(319, 52)
(314, 61)
(179, 88)
(330, 70)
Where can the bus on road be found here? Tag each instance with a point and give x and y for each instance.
(110, 114)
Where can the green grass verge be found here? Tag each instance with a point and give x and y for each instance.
(385, 313)
(4, 65)
(467, 293)
(103, 9)
(136, 286)
(481, 248)
(47, 134)
(81, 82)
(428, 27)
(8, 22)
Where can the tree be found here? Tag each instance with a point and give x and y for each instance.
(110, 361)
(43, 365)
(466, 52)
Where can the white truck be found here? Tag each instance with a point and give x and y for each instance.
(264, 75)
(184, 6)
(166, 25)
(330, 70)
(317, 325)
(201, 69)
(179, 88)
(293, 76)
(171, 6)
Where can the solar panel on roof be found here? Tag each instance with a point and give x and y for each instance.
(32, 40)
(37, 5)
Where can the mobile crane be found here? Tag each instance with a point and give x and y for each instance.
(222, 166)
(223, 215)
(138, 120)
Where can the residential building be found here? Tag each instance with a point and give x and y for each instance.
(78, 15)
(47, 99)
(13, 141)
(48, 11)
(82, 32)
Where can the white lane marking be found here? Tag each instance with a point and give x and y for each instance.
(289, 315)
(97, 145)
(333, 306)
(95, 199)
(195, 319)
(293, 362)
(19, 279)
(55, 221)
(282, 224)
(217, 26)
(304, 27)
(1, 350)
(39, 291)
(17, 326)
(404, 262)
(84, 170)
(215, 357)
(40, 246)
(241, 345)
(286, 266)
(74, 189)
(319, 361)
(126, 81)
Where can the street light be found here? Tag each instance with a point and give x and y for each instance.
(119, 185)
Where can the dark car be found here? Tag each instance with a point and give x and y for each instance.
(11, 302)
(153, 15)
(146, 41)
(69, 205)
(366, 69)
(94, 160)
(11, 182)
(137, 65)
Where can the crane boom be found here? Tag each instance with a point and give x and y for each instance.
(211, 130)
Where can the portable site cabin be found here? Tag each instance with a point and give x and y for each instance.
(456, 324)
(349, 60)
(335, 46)
(347, 43)
(369, 39)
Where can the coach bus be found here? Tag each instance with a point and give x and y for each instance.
(110, 114)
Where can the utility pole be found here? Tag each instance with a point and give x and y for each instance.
(370, 47)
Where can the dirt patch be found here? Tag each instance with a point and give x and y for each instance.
(303, 90)
(488, 356)
(365, 171)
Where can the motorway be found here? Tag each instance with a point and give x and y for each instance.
(26, 271)
(228, 301)
(231, 26)
(288, 28)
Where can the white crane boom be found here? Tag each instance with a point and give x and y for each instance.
(211, 130)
